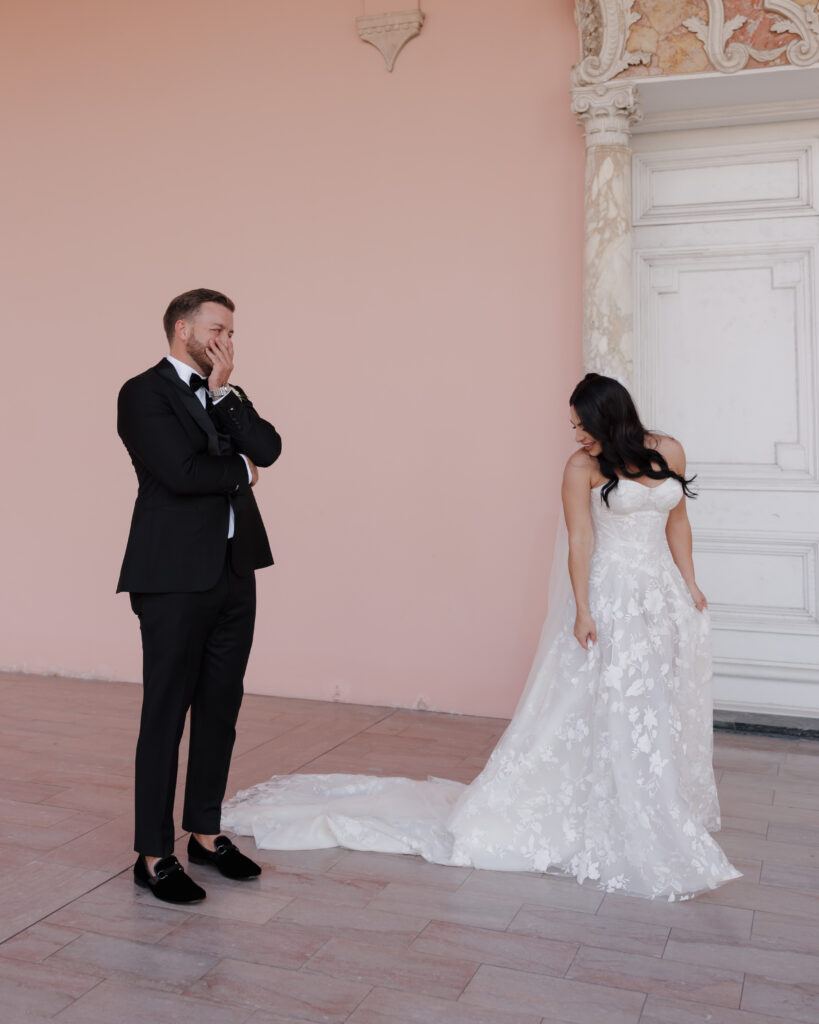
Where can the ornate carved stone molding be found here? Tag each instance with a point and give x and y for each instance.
(607, 112)
(729, 57)
(603, 26)
(390, 32)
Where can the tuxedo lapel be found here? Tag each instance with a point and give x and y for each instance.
(192, 405)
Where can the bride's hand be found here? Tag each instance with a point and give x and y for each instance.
(697, 597)
(585, 630)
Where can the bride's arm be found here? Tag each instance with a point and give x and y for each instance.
(678, 528)
(576, 489)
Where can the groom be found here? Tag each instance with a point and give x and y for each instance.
(196, 538)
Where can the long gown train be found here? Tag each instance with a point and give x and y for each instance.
(605, 771)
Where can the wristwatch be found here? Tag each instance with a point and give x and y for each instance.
(225, 389)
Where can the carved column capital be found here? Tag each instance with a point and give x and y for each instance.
(607, 113)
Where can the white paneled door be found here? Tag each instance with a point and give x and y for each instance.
(726, 231)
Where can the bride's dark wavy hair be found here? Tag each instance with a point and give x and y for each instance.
(608, 414)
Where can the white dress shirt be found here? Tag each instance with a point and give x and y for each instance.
(185, 373)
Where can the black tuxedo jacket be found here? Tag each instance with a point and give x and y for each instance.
(189, 471)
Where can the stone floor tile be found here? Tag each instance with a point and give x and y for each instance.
(108, 847)
(772, 898)
(460, 907)
(780, 931)
(389, 1006)
(591, 929)
(502, 989)
(779, 965)
(42, 839)
(798, 794)
(800, 766)
(362, 924)
(781, 999)
(805, 835)
(790, 876)
(547, 890)
(772, 813)
(502, 949)
(747, 754)
(300, 994)
(28, 792)
(662, 1010)
(351, 892)
(696, 915)
(279, 943)
(295, 749)
(757, 745)
(341, 762)
(38, 942)
(117, 1001)
(759, 848)
(109, 957)
(28, 1004)
(752, 826)
(760, 788)
(44, 989)
(12, 857)
(37, 814)
(35, 890)
(261, 1017)
(648, 974)
(241, 902)
(120, 916)
(442, 976)
(390, 867)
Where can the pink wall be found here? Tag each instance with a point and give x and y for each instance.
(405, 254)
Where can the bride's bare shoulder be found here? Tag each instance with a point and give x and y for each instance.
(670, 449)
(580, 468)
(580, 460)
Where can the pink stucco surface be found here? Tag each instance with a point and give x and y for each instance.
(405, 254)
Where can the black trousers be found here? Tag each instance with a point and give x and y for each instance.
(194, 655)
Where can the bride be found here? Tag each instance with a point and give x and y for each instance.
(604, 772)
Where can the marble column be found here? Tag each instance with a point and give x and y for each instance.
(607, 113)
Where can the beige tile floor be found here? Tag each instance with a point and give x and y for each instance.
(334, 935)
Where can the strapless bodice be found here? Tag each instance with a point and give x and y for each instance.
(635, 517)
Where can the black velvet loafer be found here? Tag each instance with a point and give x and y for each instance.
(169, 883)
(228, 858)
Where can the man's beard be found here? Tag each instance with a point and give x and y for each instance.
(196, 350)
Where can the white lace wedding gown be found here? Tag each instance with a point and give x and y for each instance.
(604, 772)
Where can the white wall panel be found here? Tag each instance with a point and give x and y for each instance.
(747, 315)
(726, 352)
(748, 181)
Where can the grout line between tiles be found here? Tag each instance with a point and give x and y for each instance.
(62, 906)
(389, 713)
(341, 743)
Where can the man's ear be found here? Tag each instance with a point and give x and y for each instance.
(183, 329)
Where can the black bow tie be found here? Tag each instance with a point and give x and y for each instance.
(197, 382)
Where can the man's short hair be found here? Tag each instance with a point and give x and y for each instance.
(186, 306)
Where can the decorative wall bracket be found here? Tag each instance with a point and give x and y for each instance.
(604, 26)
(390, 32)
(801, 21)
